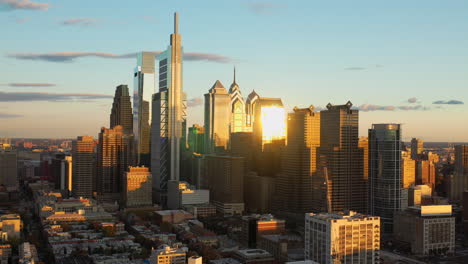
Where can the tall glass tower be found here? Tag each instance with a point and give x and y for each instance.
(385, 181)
(169, 115)
(144, 83)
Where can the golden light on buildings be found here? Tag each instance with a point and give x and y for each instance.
(273, 120)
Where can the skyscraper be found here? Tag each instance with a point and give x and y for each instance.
(144, 78)
(196, 139)
(169, 115)
(417, 147)
(340, 160)
(113, 159)
(237, 108)
(83, 157)
(269, 122)
(217, 118)
(385, 182)
(460, 177)
(408, 170)
(121, 113)
(295, 184)
(8, 167)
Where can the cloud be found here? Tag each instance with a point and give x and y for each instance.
(354, 69)
(85, 21)
(30, 84)
(449, 102)
(195, 102)
(371, 107)
(24, 4)
(72, 56)
(7, 115)
(415, 108)
(50, 97)
(262, 7)
(412, 100)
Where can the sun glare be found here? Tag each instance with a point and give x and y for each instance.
(273, 123)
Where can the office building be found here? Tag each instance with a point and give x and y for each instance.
(297, 183)
(254, 226)
(196, 139)
(460, 176)
(417, 148)
(250, 105)
(167, 255)
(144, 78)
(340, 160)
(364, 145)
(114, 156)
(169, 116)
(83, 157)
(408, 170)
(237, 108)
(429, 230)
(61, 170)
(121, 113)
(242, 145)
(225, 178)
(269, 122)
(180, 194)
(385, 183)
(137, 189)
(8, 167)
(259, 193)
(342, 238)
(426, 172)
(217, 118)
(417, 195)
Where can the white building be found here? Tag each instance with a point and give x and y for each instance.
(167, 255)
(342, 238)
(182, 194)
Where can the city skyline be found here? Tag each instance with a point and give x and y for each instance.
(74, 71)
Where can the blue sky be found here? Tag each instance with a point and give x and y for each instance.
(377, 54)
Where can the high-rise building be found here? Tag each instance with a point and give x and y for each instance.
(144, 78)
(426, 172)
(137, 187)
(225, 178)
(113, 159)
(61, 167)
(429, 230)
(364, 145)
(408, 170)
(237, 108)
(385, 182)
(254, 226)
(250, 105)
(460, 177)
(83, 156)
(259, 193)
(417, 147)
(217, 118)
(169, 116)
(242, 145)
(121, 113)
(269, 122)
(8, 167)
(342, 238)
(340, 160)
(295, 185)
(196, 139)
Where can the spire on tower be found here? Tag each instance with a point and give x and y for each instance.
(176, 23)
(234, 74)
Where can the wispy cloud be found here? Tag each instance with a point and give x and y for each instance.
(262, 7)
(24, 4)
(29, 84)
(354, 69)
(51, 97)
(84, 22)
(412, 100)
(449, 102)
(72, 56)
(8, 115)
(372, 107)
(195, 102)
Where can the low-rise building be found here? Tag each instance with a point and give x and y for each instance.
(172, 216)
(167, 255)
(254, 256)
(10, 226)
(429, 230)
(28, 254)
(182, 194)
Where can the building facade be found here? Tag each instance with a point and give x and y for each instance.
(297, 185)
(460, 177)
(8, 167)
(121, 112)
(217, 118)
(385, 182)
(137, 187)
(417, 148)
(342, 238)
(83, 157)
(340, 160)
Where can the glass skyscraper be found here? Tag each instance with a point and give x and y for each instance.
(385, 176)
(169, 114)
